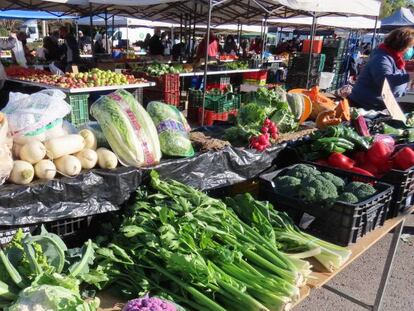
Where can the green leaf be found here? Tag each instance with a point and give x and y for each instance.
(82, 266)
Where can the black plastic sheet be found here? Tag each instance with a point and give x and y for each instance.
(100, 191)
(219, 169)
(90, 193)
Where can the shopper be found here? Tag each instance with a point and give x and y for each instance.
(6, 45)
(51, 49)
(213, 47)
(81, 41)
(256, 46)
(230, 46)
(155, 45)
(70, 49)
(386, 62)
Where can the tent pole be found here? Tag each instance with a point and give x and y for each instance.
(181, 27)
(373, 42)
(113, 31)
(264, 37)
(91, 28)
(210, 8)
(106, 31)
(312, 36)
(194, 29)
(76, 30)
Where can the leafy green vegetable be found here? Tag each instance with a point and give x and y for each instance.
(172, 128)
(128, 128)
(49, 297)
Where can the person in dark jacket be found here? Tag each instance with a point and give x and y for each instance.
(155, 45)
(230, 45)
(386, 62)
(70, 48)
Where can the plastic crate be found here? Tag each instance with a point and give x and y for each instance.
(73, 231)
(334, 43)
(403, 195)
(79, 113)
(210, 116)
(316, 47)
(215, 102)
(294, 81)
(300, 63)
(165, 83)
(342, 223)
(255, 78)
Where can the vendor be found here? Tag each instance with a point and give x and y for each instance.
(386, 62)
(70, 49)
(230, 46)
(213, 47)
(256, 46)
(6, 45)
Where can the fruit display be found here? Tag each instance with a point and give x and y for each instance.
(93, 78)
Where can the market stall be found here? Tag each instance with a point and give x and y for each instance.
(280, 194)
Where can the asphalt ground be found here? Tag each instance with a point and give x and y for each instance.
(362, 277)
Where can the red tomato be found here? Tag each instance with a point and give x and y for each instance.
(404, 159)
(339, 160)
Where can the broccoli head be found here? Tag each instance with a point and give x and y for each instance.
(317, 189)
(303, 170)
(361, 190)
(348, 197)
(287, 185)
(337, 181)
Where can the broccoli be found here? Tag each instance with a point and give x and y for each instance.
(361, 190)
(348, 197)
(337, 181)
(303, 170)
(287, 185)
(318, 189)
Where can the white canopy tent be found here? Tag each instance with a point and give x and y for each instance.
(344, 22)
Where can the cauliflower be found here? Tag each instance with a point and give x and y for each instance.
(150, 304)
(348, 197)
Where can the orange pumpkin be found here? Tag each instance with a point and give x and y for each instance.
(327, 118)
(343, 111)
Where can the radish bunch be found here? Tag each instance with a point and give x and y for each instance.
(268, 131)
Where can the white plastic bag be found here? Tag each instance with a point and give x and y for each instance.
(55, 70)
(19, 55)
(6, 160)
(35, 113)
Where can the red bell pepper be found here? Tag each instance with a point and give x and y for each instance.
(361, 171)
(359, 157)
(404, 159)
(338, 160)
(378, 153)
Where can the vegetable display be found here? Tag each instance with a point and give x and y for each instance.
(172, 128)
(128, 128)
(150, 303)
(39, 273)
(178, 242)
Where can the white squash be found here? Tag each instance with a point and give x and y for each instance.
(45, 169)
(106, 158)
(32, 152)
(65, 145)
(68, 165)
(90, 139)
(88, 158)
(22, 173)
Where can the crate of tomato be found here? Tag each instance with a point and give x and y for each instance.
(342, 206)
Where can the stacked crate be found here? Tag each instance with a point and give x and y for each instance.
(334, 49)
(298, 70)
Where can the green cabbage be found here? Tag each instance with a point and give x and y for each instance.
(128, 129)
(172, 129)
(51, 298)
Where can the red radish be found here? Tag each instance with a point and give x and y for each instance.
(262, 139)
(264, 130)
(267, 122)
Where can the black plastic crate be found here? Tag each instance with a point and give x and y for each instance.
(403, 195)
(334, 43)
(342, 223)
(73, 231)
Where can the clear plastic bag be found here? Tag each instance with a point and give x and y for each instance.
(6, 160)
(28, 114)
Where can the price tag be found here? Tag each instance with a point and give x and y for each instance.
(118, 70)
(75, 69)
(391, 104)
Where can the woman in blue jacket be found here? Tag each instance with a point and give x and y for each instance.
(386, 62)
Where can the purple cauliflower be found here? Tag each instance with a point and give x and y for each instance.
(149, 304)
